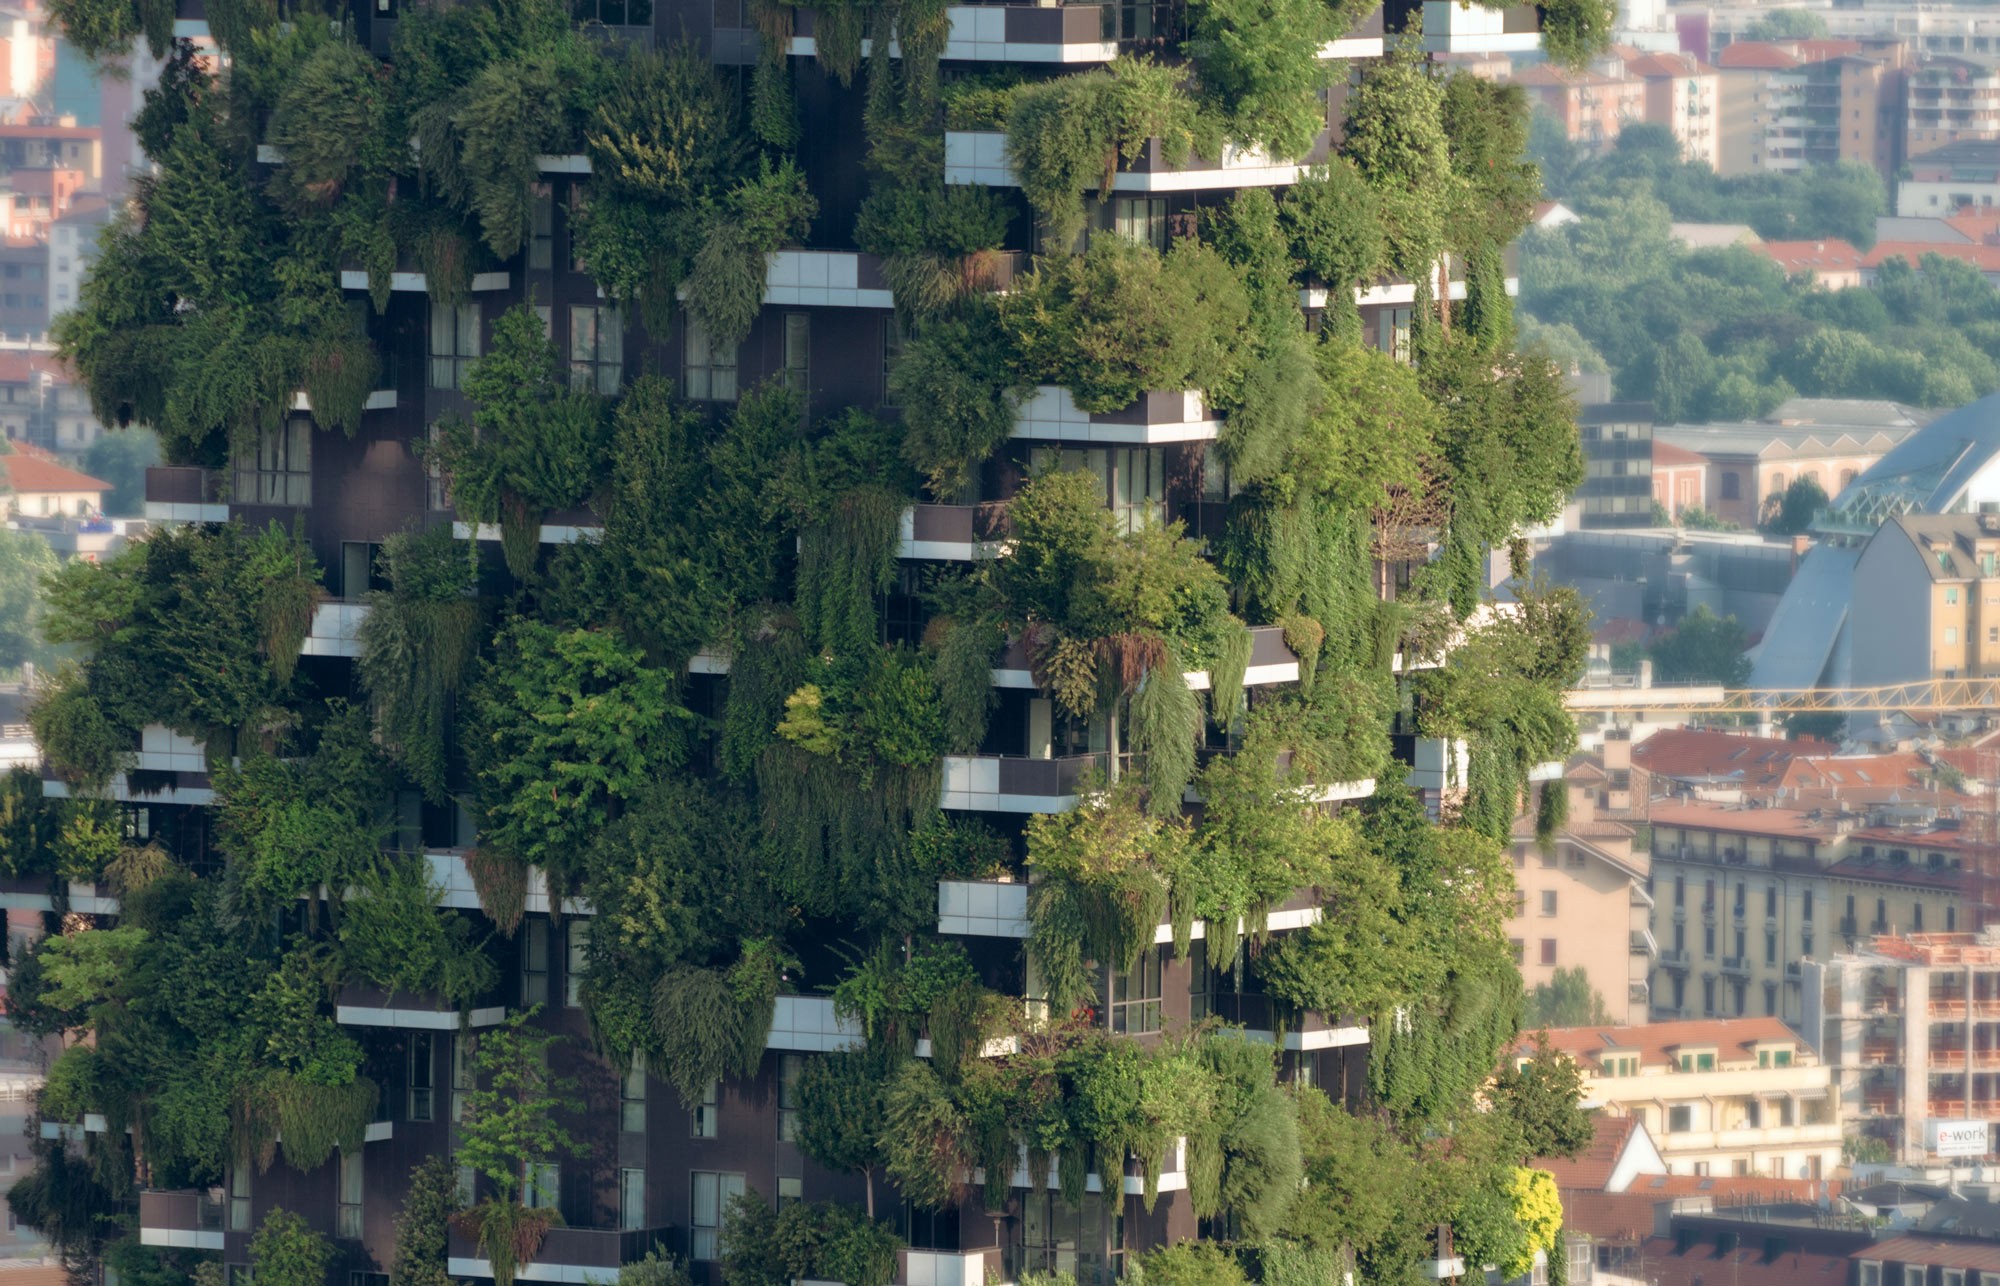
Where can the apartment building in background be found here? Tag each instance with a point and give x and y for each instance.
(1593, 104)
(1617, 487)
(1741, 1097)
(1786, 105)
(1910, 1025)
(1931, 583)
(1680, 479)
(1952, 98)
(1580, 901)
(1685, 95)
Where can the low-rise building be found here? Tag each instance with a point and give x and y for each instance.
(1951, 178)
(1751, 463)
(1831, 263)
(1680, 479)
(40, 487)
(1932, 585)
(1742, 1096)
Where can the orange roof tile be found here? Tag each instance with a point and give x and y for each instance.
(1705, 753)
(1655, 1042)
(1703, 1265)
(1735, 819)
(1755, 55)
(1591, 1169)
(26, 473)
(1939, 1251)
(1666, 453)
(1797, 257)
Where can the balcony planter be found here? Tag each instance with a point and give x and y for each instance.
(362, 1004)
(570, 1255)
(187, 1219)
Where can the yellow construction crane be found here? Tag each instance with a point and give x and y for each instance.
(1930, 696)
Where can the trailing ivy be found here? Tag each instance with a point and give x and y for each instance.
(418, 643)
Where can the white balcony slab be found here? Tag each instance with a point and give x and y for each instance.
(550, 533)
(980, 156)
(416, 1019)
(181, 1238)
(943, 1267)
(1050, 414)
(570, 163)
(1452, 27)
(1397, 294)
(121, 790)
(567, 1274)
(1352, 47)
(453, 879)
(174, 511)
(379, 1132)
(415, 282)
(1172, 1177)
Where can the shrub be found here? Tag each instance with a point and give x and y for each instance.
(1122, 320)
(959, 397)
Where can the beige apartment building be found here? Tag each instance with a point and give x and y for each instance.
(1684, 94)
(1737, 1097)
(1932, 583)
(1910, 1027)
(1591, 104)
(1744, 896)
(1582, 902)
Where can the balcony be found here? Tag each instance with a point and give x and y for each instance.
(952, 533)
(980, 156)
(1674, 958)
(189, 1219)
(1011, 784)
(1052, 415)
(983, 908)
(807, 1024)
(38, 893)
(944, 1267)
(576, 1256)
(1453, 27)
(181, 494)
(365, 1005)
(1880, 1053)
(1363, 40)
(826, 279)
(417, 283)
(1270, 662)
(1736, 965)
(336, 629)
(1068, 34)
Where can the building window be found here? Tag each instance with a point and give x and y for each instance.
(1806, 905)
(1141, 219)
(1731, 487)
(1916, 917)
(596, 349)
(1770, 948)
(1915, 1274)
(1548, 951)
(576, 963)
(544, 1190)
(1680, 1119)
(281, 471)
(1950, 634)
(712, 1193)
(710, 369)
(892, 352)
(461, 1075)
(535, 964)
(703, 1121)
(632, 1096)
(1548, 901)
(239, 1198)
(1059, 1237)
(1520, 903)
(347, 1220)
(422, 1077)
(790, 1068)
(1770, 899)
(454, 343)
(1135, 995)
(614, 13)
(1520, 950)
(631, 1198)
(1951, 596)
(798, 352)
(542, 233)
(790, 1192)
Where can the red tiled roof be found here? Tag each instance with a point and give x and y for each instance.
(21, 368)
(1796, 257)
(1834, 771)
(1628, 1216)
(1820, 48)
(1655, 1042)
(1591, 1169)
(1982, 227)
(1546, 75)
(1980, 1256)
(1701, 752)
(1755, 55)
(1983, 257)
(1668, 65)
(26, 473)
(1733, 819)
(1668, 454)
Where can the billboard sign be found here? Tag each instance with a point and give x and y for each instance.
(1958, 1138)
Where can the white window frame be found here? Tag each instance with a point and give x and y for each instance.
(349, 1196)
